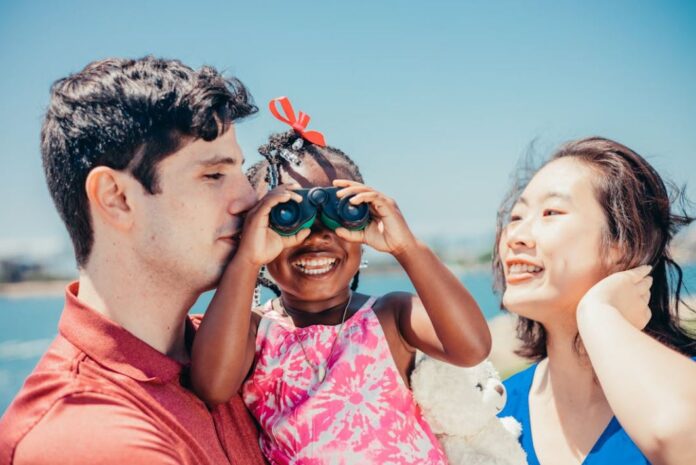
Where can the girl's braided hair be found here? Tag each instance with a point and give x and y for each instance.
(281, 152)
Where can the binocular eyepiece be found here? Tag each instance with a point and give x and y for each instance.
(288, 218)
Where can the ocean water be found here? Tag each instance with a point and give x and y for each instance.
(29, 324)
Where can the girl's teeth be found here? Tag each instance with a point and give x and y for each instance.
(315, 270)
(315, 266)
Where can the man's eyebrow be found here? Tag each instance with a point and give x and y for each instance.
(220, 160)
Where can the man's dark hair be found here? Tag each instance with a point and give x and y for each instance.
(128, 114)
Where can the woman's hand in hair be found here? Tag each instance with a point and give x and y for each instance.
(649, 386)
(626, 291)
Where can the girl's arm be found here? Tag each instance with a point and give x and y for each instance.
(224, 346)
(650, 387)
(443, 321)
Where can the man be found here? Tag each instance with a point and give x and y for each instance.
(142, 162)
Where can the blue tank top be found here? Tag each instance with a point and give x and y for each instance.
(613, 446)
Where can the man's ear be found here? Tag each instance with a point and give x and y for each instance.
(107, 191)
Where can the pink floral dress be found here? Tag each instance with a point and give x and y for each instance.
(361, 413)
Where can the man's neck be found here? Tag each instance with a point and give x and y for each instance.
(146, 307)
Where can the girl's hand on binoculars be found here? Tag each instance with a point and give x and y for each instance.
(259, 243)
(388, 231)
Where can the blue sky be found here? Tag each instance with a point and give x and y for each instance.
(436, 101)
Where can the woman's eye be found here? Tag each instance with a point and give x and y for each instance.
(515, 218)
(479, 386)
(552, 212)
(214, 176)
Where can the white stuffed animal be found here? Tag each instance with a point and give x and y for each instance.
(460, 405)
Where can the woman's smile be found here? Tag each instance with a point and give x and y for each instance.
(519, 271)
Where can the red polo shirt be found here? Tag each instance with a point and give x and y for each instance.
(99, 395)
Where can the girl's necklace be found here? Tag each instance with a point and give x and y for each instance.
(320, 369)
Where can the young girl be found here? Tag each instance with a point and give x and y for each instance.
(325, 369)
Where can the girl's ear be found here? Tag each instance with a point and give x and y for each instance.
(107, 191)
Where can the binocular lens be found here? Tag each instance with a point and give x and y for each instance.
(285, 216)
(353, 216)
(290, 217)
(351, 212)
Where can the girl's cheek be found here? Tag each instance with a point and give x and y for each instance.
(274, 271)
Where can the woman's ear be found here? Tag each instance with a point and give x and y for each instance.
(107, 195)
(614, 258)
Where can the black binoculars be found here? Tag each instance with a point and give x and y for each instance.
(288, 218)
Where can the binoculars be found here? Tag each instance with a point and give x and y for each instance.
(288, 218)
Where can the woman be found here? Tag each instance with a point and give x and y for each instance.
(613, 382)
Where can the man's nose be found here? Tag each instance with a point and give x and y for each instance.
(245, 197)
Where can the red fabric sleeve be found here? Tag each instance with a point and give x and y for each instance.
(91, 428)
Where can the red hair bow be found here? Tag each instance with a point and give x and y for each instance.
(298, 124)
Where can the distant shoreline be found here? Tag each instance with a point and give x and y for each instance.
(56, 288)
(25, 289)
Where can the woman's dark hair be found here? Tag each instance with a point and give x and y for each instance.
(128, 114)
(641, 218)
(280, 153)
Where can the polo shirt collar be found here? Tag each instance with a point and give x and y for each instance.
(111, 346)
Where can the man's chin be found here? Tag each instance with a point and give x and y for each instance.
(214, 273)
(215, 280)
(211, 279)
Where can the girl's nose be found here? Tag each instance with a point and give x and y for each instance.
(319, 232)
